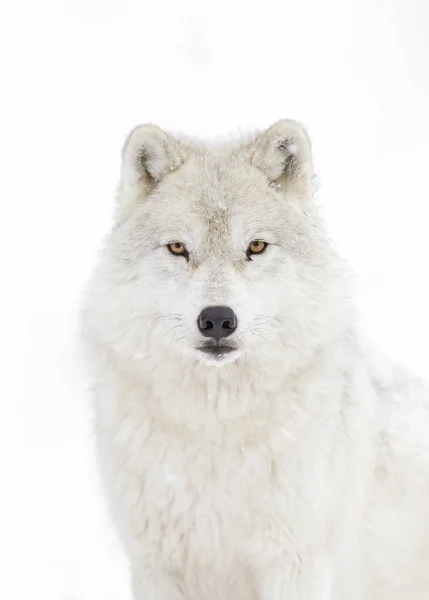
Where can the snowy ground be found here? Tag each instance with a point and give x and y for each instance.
(356, 72)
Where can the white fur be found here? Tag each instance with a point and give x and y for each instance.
(294, 468)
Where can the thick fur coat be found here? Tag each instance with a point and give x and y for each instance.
(283, 461)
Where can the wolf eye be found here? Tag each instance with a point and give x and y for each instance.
(178, 249)
(256, 247)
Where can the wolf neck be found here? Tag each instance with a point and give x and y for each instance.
(199, 395)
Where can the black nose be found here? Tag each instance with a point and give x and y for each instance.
(217, 322)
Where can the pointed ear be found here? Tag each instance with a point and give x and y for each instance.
(283, 154)
(147, 156)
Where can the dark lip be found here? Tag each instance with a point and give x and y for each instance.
(216, 350)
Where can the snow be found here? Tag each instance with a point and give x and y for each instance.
(83, 73)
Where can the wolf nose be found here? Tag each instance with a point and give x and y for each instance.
(217, 322)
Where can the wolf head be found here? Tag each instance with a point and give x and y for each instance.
(217, 255)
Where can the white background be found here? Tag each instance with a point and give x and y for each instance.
(80, 74)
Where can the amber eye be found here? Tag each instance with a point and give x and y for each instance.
(256, 247)
(178, 249)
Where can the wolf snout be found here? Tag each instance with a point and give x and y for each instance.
(217, 322)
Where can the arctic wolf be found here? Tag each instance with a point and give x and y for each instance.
(250, 447)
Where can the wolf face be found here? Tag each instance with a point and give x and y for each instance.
(217, 255)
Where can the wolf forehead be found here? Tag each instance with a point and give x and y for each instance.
(249, 175)
(223, 196)
(214, 181)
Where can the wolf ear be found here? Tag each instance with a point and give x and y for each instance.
(283, 154)
(147, 156)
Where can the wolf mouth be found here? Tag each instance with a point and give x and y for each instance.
(216, 351)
